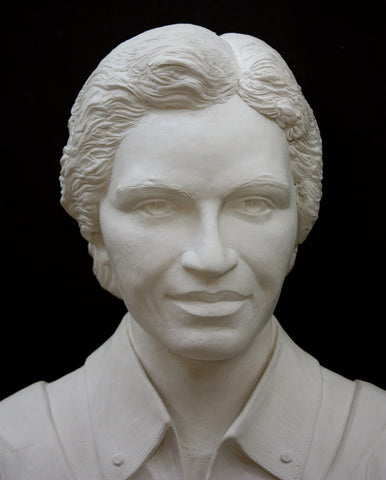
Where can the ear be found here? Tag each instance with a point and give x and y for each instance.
(101, 266)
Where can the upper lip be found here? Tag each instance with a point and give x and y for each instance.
(203, 296)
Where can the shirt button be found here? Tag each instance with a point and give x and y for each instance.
(118, 459)
(286, 457)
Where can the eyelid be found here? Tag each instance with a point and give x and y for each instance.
(251, 196)
(141, 206)
(269, 202)
(277, 198)
(264, 207)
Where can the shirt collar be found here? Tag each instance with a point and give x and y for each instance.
(276, 426)
(127, 415)
(130, 420)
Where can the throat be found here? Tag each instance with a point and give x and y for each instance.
(203, 398)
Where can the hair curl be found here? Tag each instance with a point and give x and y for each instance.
(175, 67)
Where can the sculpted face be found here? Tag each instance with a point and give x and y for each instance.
(200, 223)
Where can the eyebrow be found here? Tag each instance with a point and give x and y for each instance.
(266, 184)
(124, 194)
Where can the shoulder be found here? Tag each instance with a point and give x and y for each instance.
(27, 437)
(367, 422)
(23, 416)
(367, 428)
(45, 432)
(45, 429)
(30, 448)
(356, 411)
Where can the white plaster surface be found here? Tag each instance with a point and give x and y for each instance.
(193, 168)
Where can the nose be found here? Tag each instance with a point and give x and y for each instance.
(208, 255)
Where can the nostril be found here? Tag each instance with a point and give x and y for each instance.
(214, 263)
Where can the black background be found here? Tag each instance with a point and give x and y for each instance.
(54, 313)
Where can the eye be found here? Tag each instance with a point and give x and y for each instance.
(252, 206)
(156, 208)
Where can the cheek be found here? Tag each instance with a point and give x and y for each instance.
(138, 256)
(267, 248)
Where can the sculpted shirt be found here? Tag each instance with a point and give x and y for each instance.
(105, 421)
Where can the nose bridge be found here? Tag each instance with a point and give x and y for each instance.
(208, 252)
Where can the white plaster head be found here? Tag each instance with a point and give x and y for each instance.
(200, 224)
(181, 68)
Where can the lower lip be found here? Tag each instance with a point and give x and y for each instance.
(206, 309)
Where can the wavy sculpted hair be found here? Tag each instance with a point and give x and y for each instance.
(178, 67)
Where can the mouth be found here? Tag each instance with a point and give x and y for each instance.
(206, 304)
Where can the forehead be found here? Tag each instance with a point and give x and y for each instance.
(211, 148)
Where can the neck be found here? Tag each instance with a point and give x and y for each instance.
(203, 397)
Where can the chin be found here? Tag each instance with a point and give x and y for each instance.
(214, 345)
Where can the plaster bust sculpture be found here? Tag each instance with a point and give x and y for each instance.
(193, 168)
